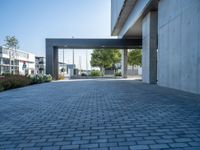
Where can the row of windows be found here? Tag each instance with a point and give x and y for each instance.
(5, 61)
(13, 53)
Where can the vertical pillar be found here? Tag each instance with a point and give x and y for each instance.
(55, 61)
(52, 61)
(149, 47)
(124, 62)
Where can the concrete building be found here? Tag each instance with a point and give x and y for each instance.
(40, 65)
(170, 33)
(16, 61)
(53, 44)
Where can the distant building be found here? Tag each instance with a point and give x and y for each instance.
(62, 68)
(40, 65)
(16, 61)
(71, 69)
(66, 69)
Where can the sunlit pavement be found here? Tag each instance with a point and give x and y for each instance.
(99, 114)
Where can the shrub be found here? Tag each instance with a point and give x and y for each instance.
(61, 77)
(36, 79)
(95, 73)
(14, 81)
(118, 74)
(9, 81)
(48, 78)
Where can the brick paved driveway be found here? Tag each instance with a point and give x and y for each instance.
(101, 114)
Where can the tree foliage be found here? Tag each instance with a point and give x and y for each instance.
(105, 58)
(11, 42)
(135, 57)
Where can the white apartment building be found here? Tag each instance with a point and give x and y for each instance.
(40, 65)
(16, 61)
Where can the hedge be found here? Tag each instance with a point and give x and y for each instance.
(15, 81)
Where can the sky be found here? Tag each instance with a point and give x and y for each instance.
(31, 21)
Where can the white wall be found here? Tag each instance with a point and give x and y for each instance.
(179, 44)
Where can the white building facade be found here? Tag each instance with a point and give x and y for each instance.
(16, 61)
(40, 67)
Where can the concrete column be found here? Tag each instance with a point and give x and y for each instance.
(52, 61)
(124, 62)
(55, 61)
(149, 47)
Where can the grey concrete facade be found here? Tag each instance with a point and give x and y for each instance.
(179, 44)
(124, 62)
(52, 46)
(178, 40)
(149, 48)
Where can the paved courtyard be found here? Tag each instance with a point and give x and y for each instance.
(99, 115)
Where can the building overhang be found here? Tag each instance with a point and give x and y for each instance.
(129, 23)
(52, 46)
(123, 15)
(70, 43)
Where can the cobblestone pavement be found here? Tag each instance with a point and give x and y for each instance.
(99, 115)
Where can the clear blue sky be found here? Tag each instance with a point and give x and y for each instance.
(31, 21)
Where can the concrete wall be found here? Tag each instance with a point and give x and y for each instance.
(124, 62)
(149, 48)
(179, 44)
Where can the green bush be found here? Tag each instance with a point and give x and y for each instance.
(36, 79)
(118, 74)
(95, 73)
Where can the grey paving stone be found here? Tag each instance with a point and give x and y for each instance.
(89, 137)
(89, 145)
(145, 142)
(99, 114)
(99, 149)
(70, 147)
(108, 144)
(32, 148)
(99, 141)
(183, 140)
(26, 145)
(164, 141)
(126, 143)
(51, 148)
(137, 147)
(192, 148)
(178, 145)
(63, 143)
(119, 148)
(194, 143)
(159, 146)
(80, 142)
(116, 140)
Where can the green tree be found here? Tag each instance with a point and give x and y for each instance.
(105, 58)
(11, 42)
(135, 58)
